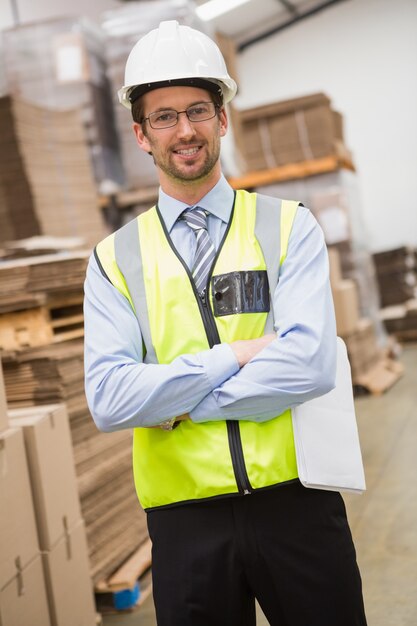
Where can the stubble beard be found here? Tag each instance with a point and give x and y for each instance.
(185, 173)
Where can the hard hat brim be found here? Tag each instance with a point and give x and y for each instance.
(200, 83)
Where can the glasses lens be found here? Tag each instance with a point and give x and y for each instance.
(201, 111)
(169, 117)
(163, 119)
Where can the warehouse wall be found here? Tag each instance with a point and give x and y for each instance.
(361, 53)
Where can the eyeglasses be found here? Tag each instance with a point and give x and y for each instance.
(166, 118)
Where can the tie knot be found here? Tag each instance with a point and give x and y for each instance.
(195, 218)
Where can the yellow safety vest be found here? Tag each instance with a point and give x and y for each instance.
(198, 461)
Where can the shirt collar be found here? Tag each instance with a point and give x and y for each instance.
(218, 201)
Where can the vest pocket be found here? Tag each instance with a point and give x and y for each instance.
(240, 292)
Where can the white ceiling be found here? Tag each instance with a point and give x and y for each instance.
(254, 18)
(257, 17)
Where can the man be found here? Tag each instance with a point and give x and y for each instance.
(206, 320)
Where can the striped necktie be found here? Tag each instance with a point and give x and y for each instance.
(205, 251)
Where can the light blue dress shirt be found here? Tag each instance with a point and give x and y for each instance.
(125, 392)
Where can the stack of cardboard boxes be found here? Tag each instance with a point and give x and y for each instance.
(290, 131)
(397, 277)
(23, 598)
(44, 573)
(17, 210)
(47, 184)
(396, 272)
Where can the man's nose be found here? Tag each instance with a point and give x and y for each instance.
(185, 128)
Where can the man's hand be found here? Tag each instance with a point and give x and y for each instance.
(246, 349)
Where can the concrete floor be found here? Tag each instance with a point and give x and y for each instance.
(384, 519)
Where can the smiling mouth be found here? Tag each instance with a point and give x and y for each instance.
(188, 152)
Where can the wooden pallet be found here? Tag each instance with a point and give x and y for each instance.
(105, 602)
(380, 377)
(136, 570)
(66, 315)
(22, 329)
(291, 171)
(60, 319)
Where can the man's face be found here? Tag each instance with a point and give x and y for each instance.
(188, 151)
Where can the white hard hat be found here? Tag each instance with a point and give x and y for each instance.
(173, 54)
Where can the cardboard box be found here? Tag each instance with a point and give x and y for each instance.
(363, 349)
(52, 472)
(68, 581)
(23, 600)
(290, 131)
(4, 424)
(396, 259)
(346, 306)
(335, 266)
(18, 534)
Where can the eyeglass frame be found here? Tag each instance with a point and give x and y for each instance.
(216, 108)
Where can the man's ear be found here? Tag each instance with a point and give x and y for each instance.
(141, 138)
(223, 121)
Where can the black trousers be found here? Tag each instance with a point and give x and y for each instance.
(289, 547)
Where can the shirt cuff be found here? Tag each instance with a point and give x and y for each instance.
(219, 364)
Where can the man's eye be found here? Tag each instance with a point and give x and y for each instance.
(165, 116)
(198, 110)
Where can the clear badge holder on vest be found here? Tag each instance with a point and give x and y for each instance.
(240, 292)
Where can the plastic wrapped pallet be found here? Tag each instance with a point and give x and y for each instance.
(334, 199)
(60, 65)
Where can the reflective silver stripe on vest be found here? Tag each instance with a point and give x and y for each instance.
(268, 234)
(129, 260)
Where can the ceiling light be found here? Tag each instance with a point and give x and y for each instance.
(212, 9)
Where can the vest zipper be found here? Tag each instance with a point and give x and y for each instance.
(209, 323)
(233, 429)
(213, 338)
(239, 467)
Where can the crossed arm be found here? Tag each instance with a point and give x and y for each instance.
(244, 350)
(247, 379)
